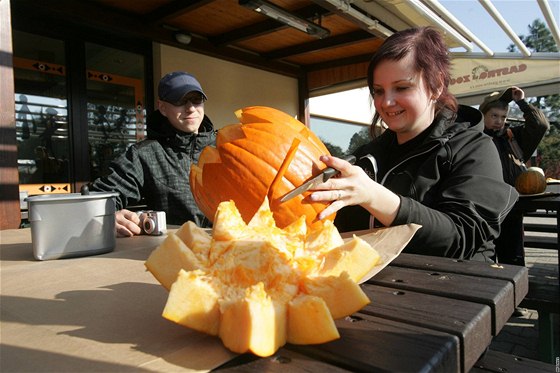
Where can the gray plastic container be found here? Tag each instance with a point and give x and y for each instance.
(72, 225)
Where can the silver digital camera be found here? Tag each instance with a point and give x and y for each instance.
(153, 222)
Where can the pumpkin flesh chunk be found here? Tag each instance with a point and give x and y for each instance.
(196, 239)
(310, 321)
(169, 258)
(193, 302)
(253, 323)
(356, 257)
(342, 296)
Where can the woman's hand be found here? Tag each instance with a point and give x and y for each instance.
(127, 223)
(354, 187)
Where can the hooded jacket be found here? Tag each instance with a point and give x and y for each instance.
(450, 182)
(157, 170)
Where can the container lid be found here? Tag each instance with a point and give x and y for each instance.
(77, 197)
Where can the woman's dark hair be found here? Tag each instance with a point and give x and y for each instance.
(431, 59)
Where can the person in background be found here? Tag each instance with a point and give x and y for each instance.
(515, 146)
(157, 169)
(432, 165)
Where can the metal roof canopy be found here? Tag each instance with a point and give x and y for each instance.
(226, 30)
(401, 14)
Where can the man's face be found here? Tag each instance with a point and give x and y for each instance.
(495, 119)
(187, 115)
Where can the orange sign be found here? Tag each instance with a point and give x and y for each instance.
(47, 188)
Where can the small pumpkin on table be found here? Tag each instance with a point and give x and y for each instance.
(531, 181)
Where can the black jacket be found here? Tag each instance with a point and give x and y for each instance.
(157, 170)
(450, 182)
(527, 137)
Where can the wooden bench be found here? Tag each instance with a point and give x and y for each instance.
(541, 242)
(541, 214)
(545, 299)
(494, 361)
(543, 228)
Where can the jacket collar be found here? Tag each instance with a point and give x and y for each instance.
(448, 123)
(159, 128)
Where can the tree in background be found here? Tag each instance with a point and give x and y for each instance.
(335, 150)
(360, 138)
(540, 39)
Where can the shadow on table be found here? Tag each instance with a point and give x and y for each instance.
(23, 252)
(26, 359)
(126, 314)
(19, 252)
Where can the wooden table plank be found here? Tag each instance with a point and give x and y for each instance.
(517, 275)
(498, 294)
(451, 316)
(281, 362)
(373, 344)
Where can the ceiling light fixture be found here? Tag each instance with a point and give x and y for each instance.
(371, 25)
(183, 38)
(270, 10)
(179, 35)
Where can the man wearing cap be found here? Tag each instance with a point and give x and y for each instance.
(157, 169)
(515, 146)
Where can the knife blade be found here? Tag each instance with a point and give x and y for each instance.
(325, 175)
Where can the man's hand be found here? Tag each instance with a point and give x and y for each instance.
(127, 223)
(517, 94)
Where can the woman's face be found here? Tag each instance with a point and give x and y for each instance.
(401, 98)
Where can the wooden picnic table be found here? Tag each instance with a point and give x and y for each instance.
(103, 313)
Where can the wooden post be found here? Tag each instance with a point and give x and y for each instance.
(10, 215)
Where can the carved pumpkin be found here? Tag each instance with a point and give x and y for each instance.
(531, 181)
(266, 155)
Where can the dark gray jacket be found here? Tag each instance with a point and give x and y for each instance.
(450, 183)
(157, 170)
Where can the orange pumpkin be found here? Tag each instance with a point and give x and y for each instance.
(531, 181)
(267, 154)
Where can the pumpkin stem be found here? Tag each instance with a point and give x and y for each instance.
(283, 168)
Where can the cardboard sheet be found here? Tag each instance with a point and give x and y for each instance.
(99, 313)
(103, 313)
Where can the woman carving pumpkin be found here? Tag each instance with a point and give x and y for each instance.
(432, 165)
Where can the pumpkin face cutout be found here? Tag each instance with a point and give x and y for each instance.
(531, 181)
(267, 154)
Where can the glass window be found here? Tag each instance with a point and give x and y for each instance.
(41, 114)
(339, 137)
(115, 104)
(342, 120)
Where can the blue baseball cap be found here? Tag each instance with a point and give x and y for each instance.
(173, 86)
